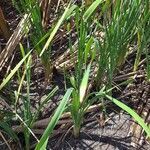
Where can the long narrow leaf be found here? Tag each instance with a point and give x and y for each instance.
(54, 120)
(63, 17)
(6, 80)
(132, 113)
(91, 9)
(84, 84)
(45, 101)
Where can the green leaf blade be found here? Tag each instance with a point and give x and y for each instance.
(54, 120)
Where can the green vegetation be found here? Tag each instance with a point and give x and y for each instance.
(105, 31)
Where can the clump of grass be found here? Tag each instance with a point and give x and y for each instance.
(119, 32)
(85, 54)
(37, 31)
(79, 102)
(38, 34)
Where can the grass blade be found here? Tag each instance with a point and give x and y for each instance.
(91, 9)
(84, 83)
(132, 113)
(6, 80)
(54, 120)
(63, 17)
(45, 101)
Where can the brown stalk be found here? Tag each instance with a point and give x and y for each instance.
(9, 147)
(66, 119)
(45, 6)
(4, 28)
(13, 42)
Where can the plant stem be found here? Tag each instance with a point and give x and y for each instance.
(76, 130)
